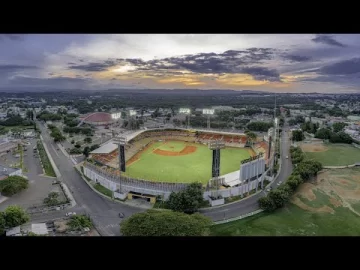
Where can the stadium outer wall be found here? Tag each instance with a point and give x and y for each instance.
(162, 189)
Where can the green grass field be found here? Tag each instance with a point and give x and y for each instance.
(337, 155)
(187, 168)
(293, 221)
(331, 207)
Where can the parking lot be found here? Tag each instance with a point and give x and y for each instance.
(39, 186)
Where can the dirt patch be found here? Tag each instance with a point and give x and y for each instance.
(335, 202)
(137, 156)
(189, 149)
(323, 209)
(306, 191)
(308, 147)
(251, 152)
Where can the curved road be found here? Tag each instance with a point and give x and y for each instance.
(104, 213)
(249, 205)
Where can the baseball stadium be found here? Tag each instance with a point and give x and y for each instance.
(177, 155)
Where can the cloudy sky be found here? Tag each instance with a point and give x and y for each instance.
(281, 63)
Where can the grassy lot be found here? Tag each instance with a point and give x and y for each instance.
(186, 168)
(328, 207)
(49, 171)
(103, 190)
(336, 155)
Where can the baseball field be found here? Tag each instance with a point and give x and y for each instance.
(181, 162)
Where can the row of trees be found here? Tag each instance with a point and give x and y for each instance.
(310, 127)
(333, 137)
(46, 116)
(304, 171)
(16, 120)
(259, 126)
(56, 134)
(77, 130)
(12, 216)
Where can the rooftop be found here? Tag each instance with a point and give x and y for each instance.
(5, 171)
(105, 149)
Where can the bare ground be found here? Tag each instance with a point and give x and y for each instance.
(313, 147)
(342, 188)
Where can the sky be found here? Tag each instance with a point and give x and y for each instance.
(324, 63)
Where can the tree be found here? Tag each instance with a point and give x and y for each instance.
(298, 135)
(279, 197)
(2, 223)
(188, 200)
(165, 223)
(79, 222)
(251, 136)
(86, 151)
(94, 146)
(339, 126)
(13, 185)
(323, 133)
(15, 216)
(266, 204)
(87, 140)
(52, 199)
(72, 141)
(77, 145)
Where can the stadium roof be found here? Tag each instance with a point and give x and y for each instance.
(232, 179)
(98, 117)
(105, 149)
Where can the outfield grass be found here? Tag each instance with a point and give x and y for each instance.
(186, 168)
(336, 155)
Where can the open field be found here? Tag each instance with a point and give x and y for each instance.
(176, 161)
(329, 206)
(332, 154)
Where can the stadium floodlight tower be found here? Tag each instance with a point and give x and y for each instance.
(186, 111)
(121, 142)
(215, 146)
(208, 112)
(132, 116)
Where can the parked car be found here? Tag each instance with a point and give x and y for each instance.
(121, 215)
(69, 214)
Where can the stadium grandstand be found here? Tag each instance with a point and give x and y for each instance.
(97, 119)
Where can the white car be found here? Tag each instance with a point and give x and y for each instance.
(279, 183)
(70, 214)
(287, 156)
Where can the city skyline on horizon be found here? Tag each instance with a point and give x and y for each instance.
(284, 63)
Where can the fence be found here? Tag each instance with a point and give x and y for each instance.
(124, 184)
(239, 217)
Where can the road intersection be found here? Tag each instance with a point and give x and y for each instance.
(105, 213)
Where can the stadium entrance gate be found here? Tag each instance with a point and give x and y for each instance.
(135, 195)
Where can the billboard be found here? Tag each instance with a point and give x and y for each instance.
(252, 169)
(116, 115)
(208, 111)
(132, 113)
(184, 110)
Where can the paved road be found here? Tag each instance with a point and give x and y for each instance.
(251, 204)
(103, 212)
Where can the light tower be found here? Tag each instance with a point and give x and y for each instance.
(208, 112)
(186, 111)
(121, 142)
(216, 182)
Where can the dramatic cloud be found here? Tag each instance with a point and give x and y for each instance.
(294, 63)
(328, 40)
